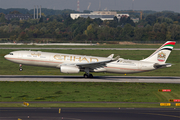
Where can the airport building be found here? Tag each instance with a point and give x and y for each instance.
(103, 15)
(135, 20)
(19, 16)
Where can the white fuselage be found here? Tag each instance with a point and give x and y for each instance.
(46, 59)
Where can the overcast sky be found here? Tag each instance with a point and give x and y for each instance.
(156, 5)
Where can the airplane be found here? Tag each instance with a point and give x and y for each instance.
(70, 63)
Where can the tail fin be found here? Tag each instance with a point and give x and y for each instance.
(161, 54)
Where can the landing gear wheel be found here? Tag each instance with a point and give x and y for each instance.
(85, 76)
(90, 76)
(20, 69)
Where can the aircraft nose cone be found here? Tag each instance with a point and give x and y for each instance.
(5, 56)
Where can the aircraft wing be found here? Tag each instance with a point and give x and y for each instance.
(94, 65)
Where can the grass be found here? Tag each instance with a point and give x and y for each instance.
(87, 92)
(9, 68)
(89, 105)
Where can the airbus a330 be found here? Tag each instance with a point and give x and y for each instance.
(69, 63)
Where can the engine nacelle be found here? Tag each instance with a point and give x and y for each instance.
(69, 69)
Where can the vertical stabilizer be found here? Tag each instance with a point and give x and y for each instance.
(161, 54)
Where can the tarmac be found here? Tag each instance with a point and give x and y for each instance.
(89, 114)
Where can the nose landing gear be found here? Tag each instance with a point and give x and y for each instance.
(20, 67)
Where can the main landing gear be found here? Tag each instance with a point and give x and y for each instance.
(87, 75)
(20, 67)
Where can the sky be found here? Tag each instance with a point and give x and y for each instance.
(155, 5)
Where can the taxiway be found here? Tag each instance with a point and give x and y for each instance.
(89, 113)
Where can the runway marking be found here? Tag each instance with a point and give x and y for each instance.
(70, 118)
(48, 118)
(161, 114)
(129, 108)
(170, 111)
(8, 110)
(160, 79)
(59, 110)
(6, 118)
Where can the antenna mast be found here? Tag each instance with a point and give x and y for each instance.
(78, 6)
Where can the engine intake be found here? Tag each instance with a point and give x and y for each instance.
(69, 69)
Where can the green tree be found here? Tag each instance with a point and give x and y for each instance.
(14, 21)
(57, 31)
(8, 28)
(168, 36)
(14, 12)
(13, 37)
(138, 33)
(16, 28)
(168, 20)
(43, 30)
(128, 32)
(23, 36)
(124, 20)
(2, 18)
(151, 19)
(148, 28)
(157, 27)
(90, 32)
(68, 21)
(98, 21)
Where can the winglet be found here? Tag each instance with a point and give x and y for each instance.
(111, 56)
(116, 58)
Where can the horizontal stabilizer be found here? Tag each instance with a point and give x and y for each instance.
(162, 65)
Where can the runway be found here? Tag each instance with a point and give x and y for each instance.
(131, 79)
(89, 113)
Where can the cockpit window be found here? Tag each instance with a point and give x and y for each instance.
(10, 53)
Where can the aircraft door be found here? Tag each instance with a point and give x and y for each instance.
(139, 65)
(51, 57)
(20, 55)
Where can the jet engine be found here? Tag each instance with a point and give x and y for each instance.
(69, 69)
